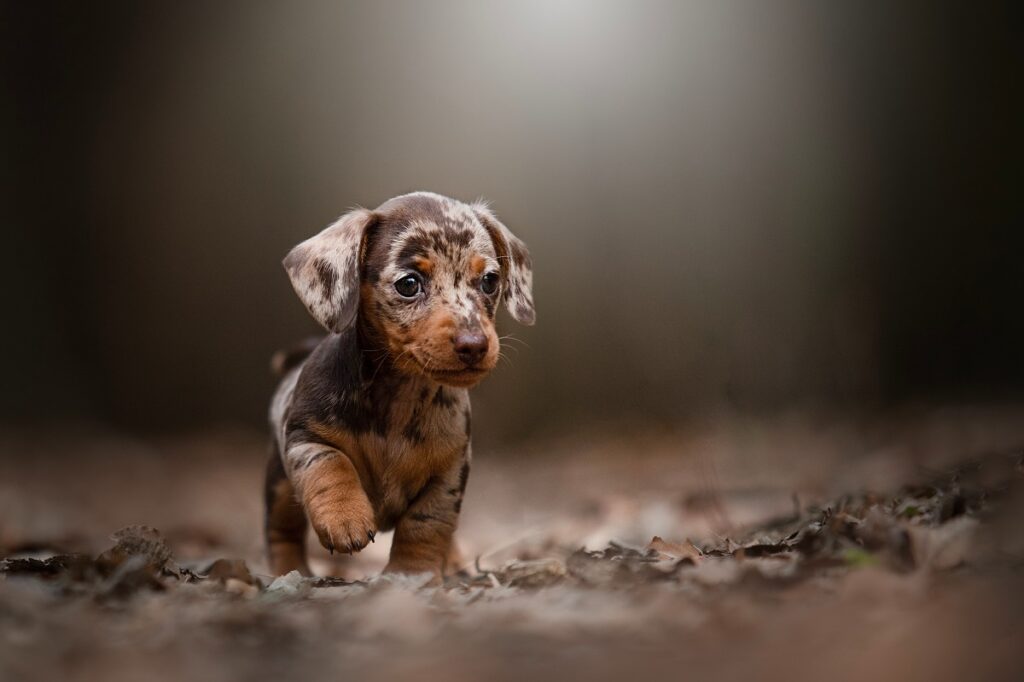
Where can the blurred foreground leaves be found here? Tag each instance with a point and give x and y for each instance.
(921, 527)
(915, 563)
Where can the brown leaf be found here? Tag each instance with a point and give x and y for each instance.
(76, 567)
(537, 573)
(130, 576)
(230, 569)
(674, 550)
(137, 541)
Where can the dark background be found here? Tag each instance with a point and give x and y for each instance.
(748, 207)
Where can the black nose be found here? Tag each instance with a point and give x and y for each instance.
(471, 347)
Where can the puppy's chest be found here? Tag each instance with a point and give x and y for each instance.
(422, 438)
(422, 435)
(407, 418)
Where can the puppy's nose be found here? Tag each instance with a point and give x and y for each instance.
(471, 347)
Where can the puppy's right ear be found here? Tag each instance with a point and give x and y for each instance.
(324, 269)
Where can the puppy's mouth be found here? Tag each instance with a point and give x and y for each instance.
(467, 376)
(460, 377)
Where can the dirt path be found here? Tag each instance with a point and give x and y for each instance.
(786, 549)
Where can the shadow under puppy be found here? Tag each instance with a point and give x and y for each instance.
(372, 425)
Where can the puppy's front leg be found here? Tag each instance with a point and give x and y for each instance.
(423, 535)
(335, 502)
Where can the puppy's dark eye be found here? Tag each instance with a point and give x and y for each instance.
(489, 283)
(409, 286)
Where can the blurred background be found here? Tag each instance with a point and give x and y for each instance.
(778, 265)
(732, 206)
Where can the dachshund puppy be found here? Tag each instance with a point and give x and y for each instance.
(372, 426)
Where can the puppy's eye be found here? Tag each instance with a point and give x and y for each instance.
(489, 283)
(409, 286)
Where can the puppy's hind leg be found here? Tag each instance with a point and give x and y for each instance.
(284, 523)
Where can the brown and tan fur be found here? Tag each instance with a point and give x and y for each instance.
(372, 428)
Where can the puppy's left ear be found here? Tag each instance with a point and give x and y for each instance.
(324, 269)
(516, 269)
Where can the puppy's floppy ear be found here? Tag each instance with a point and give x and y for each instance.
(324, 269)
(516, 269)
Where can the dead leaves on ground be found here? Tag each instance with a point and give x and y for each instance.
(923, 527)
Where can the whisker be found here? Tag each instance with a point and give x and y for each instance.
(513, 348)
(509, 337)
(379, 365)
(383, 360)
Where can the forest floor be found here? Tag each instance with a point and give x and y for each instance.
(786, 548)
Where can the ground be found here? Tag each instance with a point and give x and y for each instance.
(768, 548)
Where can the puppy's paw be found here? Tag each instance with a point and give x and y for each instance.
(343, 524)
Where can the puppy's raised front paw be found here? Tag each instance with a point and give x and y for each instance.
(345, 524)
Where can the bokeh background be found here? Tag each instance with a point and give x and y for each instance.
(778, 263)
(732, 206)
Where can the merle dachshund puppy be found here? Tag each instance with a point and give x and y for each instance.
(371, 426)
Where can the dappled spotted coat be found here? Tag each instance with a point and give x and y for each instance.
(372, 423)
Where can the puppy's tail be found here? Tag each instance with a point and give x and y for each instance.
(286, 359)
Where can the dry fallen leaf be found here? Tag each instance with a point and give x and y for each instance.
(137, 541)
(535, 573)
(230, 569)
(674, 550)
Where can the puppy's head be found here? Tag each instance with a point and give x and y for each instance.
(426, 274)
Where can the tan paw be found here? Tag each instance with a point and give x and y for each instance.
(344, 525)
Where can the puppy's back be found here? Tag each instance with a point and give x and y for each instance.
(287, 359)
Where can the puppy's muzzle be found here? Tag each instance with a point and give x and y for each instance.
(470, 347)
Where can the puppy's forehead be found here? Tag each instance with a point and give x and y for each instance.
(426, 206)
(425, 224)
